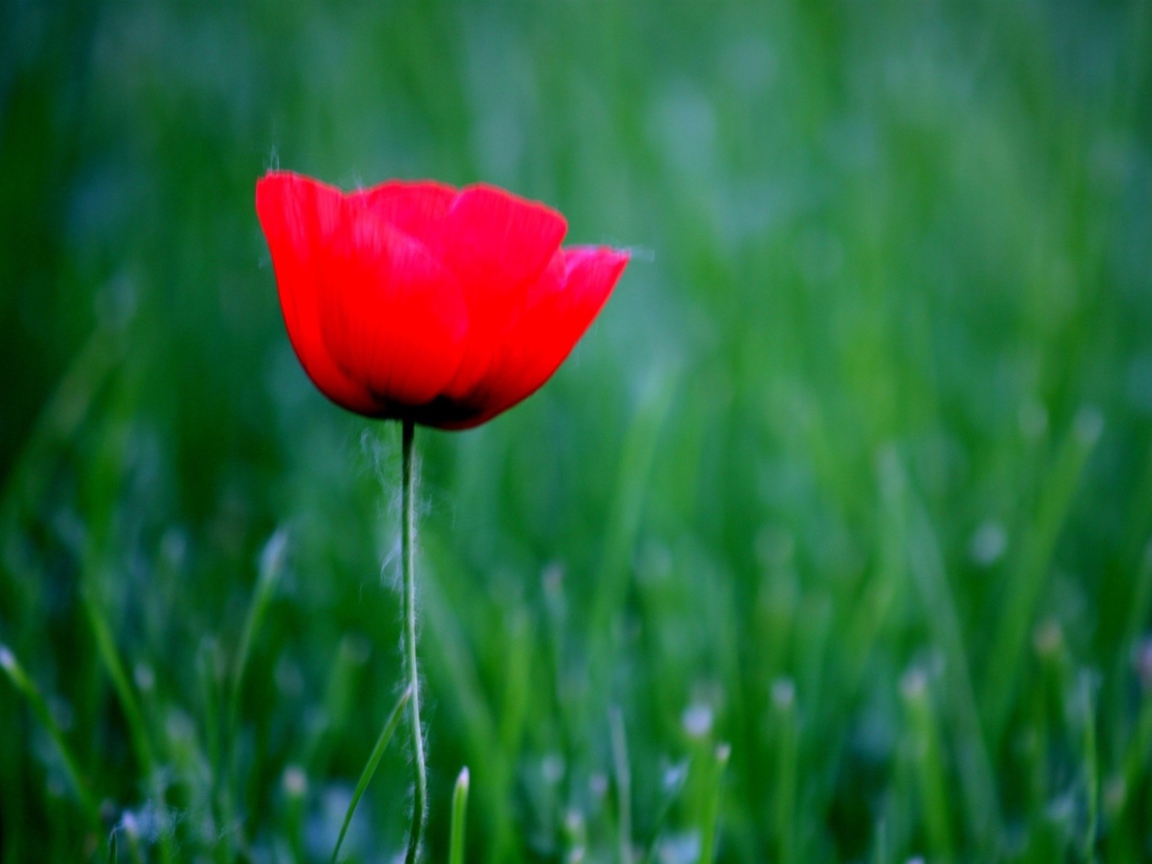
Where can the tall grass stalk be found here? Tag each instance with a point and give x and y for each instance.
(408, 561)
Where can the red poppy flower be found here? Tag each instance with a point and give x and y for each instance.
(418, 301)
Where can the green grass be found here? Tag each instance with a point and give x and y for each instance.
(828, 544)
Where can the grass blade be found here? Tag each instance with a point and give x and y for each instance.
(1091, 770)
(880, 844)
(624, 519)
(132, 832)
(106, 648)
(1023, 592)
(60, 418)
(928, 760)
(459, 812)
(25, 686)
(926, 565)
(451, 658)
(338, 699)
(712, 808)
(623, 785)
(271, 565)
(787, 757)
(674, 784)
(1135, 756)
(370, 767)
(137, 730)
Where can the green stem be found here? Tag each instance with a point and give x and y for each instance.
(408, 554)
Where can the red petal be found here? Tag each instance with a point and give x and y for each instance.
(393, 318)
(497, 242)
(299, 217)
(557, 311)
(416, 208)
(498, 246)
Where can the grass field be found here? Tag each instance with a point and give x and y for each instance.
(850, 483)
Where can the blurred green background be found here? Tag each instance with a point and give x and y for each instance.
(852, 474)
